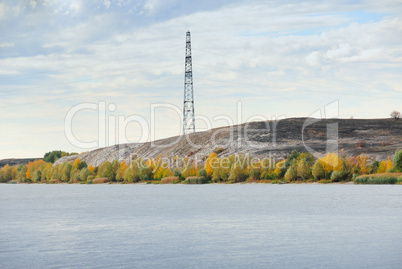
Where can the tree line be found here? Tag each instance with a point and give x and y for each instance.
(236, 168)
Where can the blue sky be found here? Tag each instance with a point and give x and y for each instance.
(279, 58)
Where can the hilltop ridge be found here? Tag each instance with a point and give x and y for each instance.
(378, 138)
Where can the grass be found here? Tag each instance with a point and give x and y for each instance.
(101, 180)
(170, 180)
(195, 180)
(383, 178)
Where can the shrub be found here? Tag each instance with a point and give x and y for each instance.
(237, 174)
(255, 173)
(395, 115)
(203, 173)
(146, 173)
(77, 178)
(177, 173)
(170, 180)
(354, 176)
(384, 178)
(324, 181)
(101, 180)
(195, 180)
(337, 176)
(269, 176)
(53, 181)
(219, 150)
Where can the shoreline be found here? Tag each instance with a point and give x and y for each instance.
(223, 183)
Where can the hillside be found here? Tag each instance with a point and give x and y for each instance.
(379, 138)
(16, 161)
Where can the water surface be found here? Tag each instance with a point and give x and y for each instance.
(200, 226)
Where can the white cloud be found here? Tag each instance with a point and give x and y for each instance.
(32, 3)
(106, 3)
(314, 58)
(269, 55)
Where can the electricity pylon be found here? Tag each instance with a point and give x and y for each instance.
(188, 107)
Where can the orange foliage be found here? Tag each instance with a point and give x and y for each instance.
(33, 166)
(92, 169)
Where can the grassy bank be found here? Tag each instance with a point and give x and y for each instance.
(383, 178)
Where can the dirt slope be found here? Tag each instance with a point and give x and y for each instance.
(378, 138)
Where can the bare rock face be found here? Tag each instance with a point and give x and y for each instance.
(378, 138)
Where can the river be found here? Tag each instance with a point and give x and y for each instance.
(200, 226)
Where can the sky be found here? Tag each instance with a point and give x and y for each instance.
(251, 60)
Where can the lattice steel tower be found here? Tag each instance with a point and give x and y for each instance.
(188, 107)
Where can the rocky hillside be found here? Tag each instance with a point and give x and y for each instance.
(378, 138)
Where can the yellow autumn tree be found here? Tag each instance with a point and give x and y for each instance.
(189, 168)
(390, 164)
(329, 162)
(121, 171)
(278, 166)
(209, 163)
(76, 163)
(382, 168)
(363, 163)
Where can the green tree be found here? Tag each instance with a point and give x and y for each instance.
(177, 173)
(203, 173)
(255, 173)
(106, 170)
(37, 176)
(7, 173)
(66, 172)
(84, 174)
(2, 178)
(397, 161)
(318, 170)
(146, 173)
(21, 174)
(291, 173)
(237, 174)
(52, 156)
(293, 156)
(374, 167)
(303, 169)
(309, 158)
